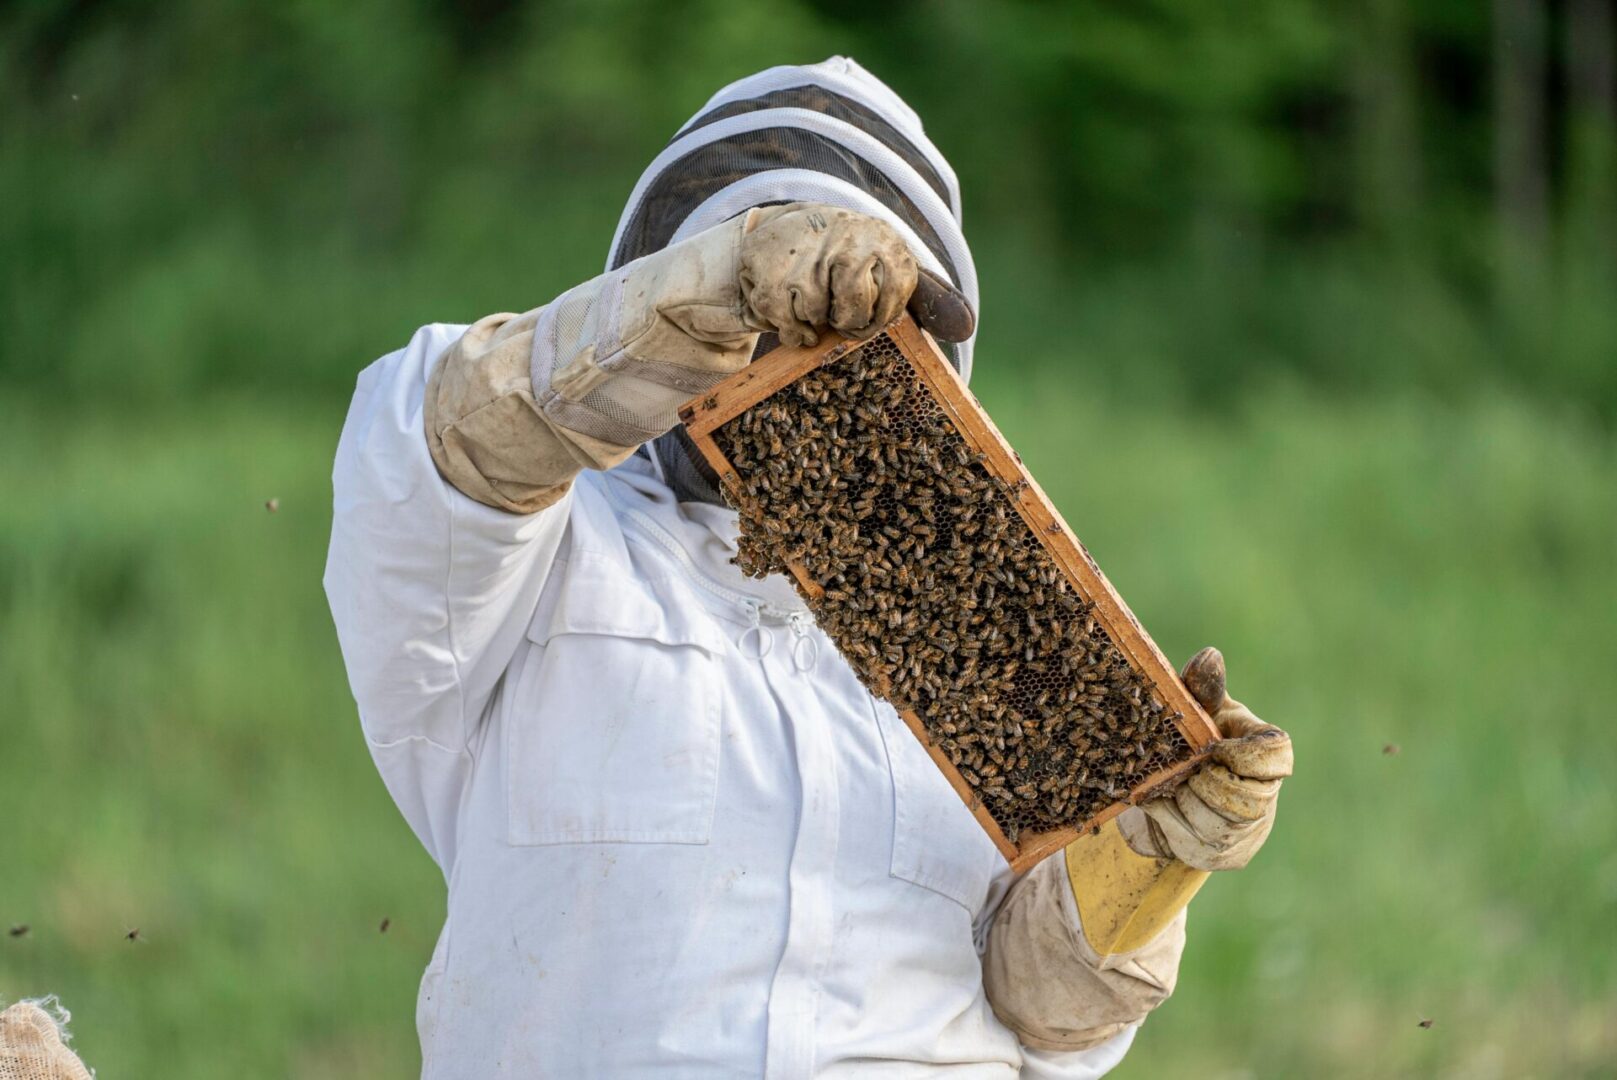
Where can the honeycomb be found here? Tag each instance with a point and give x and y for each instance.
(938, 594)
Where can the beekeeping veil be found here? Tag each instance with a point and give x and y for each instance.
(828, 132)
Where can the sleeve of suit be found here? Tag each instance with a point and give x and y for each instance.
(522, 403)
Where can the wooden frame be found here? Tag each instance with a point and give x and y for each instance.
(784, 365)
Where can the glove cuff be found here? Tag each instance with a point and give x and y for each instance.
(1125, 899)
(1054, 986)
(614, 358)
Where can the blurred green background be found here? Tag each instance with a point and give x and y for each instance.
(1337, 283)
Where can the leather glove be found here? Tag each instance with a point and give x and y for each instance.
(1220, 816)
(521, 403)
(1087, 945)
(805, 265)
(31, 1046)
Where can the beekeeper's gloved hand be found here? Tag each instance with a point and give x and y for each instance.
(31, 1046)
(806, 265)
(1086, 945)
(521, 403)
(1218, 818)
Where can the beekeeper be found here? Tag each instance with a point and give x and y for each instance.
(679, 838)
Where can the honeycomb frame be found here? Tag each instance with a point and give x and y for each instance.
(705, 419)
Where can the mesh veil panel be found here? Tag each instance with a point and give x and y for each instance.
(684, 468)
(688, 182)
(829, 103)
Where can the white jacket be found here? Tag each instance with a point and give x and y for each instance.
(680, 839)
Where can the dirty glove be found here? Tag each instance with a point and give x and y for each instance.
(521, 403)
(1087, 945)
(31, 1046)
(1218, 818)
(805, 265)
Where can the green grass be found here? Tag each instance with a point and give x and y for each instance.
(181, 753)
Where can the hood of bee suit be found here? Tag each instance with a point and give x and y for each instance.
(829, 132)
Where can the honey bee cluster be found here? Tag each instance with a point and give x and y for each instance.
(939, 595)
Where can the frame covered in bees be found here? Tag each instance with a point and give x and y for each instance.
(950, 584)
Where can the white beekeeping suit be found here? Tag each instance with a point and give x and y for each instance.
(679, 838)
